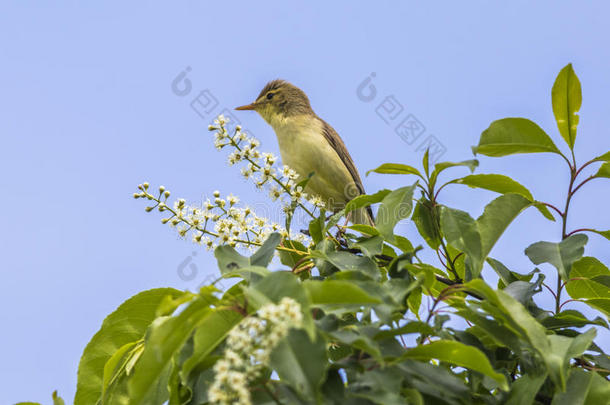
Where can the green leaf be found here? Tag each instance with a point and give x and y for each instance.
(57, 400)
(578, 385)
(524, 390)
(458, 354)
(563, 349)
(495, 182)
(364, 229)
(496, 217)
(604, 171)
(426, 161)
(230, 260)
(365, 200)
(316, 227)
(338, 292)
(561, 255)
(369, 246)
(262, 257)
(276, 286)
(603, 158)
(601, 304)
(506, 276)
(599, 390)
(583, 284)
(567, 99)
(395, 168)
(570, 318)
(503, 185)
(164, 339)
(605, 234)
(346, 261)
(462, 232)
(395, 206)
(514, 135)
(126, 324)
(589, 283)
(425, 222)
(210, 332)
(301, 362)
(440, 167)
(477, 238)
(291, 259)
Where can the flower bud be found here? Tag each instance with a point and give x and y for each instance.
(148, 209)
(145, 186)
(161, 189)
(216, 193)
(166, 194)
(136, 195)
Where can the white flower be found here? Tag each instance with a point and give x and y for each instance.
(232, 199)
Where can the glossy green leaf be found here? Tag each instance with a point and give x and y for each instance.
(578, 385)
(524, 390)
(583, 283)
(395, 168)
(125, 325)
(570, 318)
(338, 292)
(440, 167)
(458, 354)
(563, 349)
(164, 339)
(57, 400)
(345, 261)
(291, 259)
(210, 332)
(230, 260)
(604, 171)
(495, 182)
(567, 99)
(599, 390)
(301, 362)
(424, 220)
(395, 206)
(603, 158)
(477, 238)
(496, 217)
(369, 246)
(462, 232)
(514, 135)
(365, 200)
(605, 234)
(561, 255)
(503, 185)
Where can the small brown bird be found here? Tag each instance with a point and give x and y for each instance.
(309, 145)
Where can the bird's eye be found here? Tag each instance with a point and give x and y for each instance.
(270, 96)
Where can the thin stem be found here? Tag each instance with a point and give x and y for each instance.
(554, 208)
(580, 230)
(583, 183)
(564, 223)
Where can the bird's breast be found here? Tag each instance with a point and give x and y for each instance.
(305, 149)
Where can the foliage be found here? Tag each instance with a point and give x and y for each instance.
(364, 336)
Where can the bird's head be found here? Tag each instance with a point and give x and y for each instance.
(278, 101)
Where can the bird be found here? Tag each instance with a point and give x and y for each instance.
(311, 147)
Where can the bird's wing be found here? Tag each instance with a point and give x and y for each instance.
(337, 143)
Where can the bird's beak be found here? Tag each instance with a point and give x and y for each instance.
(247, 107)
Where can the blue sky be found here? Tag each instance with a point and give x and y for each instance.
(88, 113)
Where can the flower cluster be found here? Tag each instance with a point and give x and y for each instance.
(249, 346)
(260, 167)
(215, 222)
